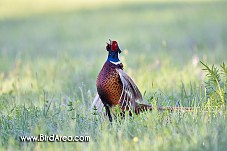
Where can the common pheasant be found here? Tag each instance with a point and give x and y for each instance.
(115, 87)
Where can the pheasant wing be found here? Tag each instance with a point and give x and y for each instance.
(130, 92)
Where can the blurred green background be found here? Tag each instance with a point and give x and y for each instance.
(63, 43)
(59, 47)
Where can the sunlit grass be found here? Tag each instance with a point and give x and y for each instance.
(18, 8)
(22, 8)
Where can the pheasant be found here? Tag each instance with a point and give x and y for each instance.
(115, 87)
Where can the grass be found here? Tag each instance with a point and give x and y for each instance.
(49, 62)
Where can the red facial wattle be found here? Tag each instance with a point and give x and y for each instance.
(114, 46)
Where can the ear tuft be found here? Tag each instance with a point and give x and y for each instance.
(107, 47)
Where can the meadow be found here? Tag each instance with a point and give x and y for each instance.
(50, 56)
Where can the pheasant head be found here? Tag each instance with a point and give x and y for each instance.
(113, 50)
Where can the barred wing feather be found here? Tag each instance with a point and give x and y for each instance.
(130, 92)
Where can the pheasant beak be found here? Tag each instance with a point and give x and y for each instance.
(110, 42)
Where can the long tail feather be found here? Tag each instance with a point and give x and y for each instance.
(176, 108)
(144, 107)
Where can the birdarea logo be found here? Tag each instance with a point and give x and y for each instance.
(54, 138)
